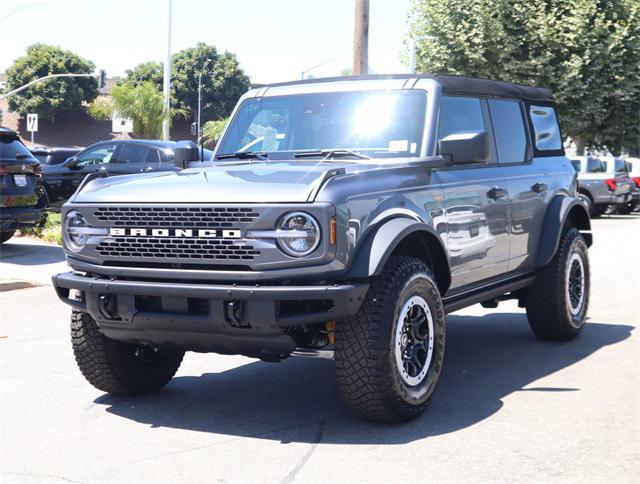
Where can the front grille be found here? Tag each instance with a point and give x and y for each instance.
(177, 248)
(175, 217)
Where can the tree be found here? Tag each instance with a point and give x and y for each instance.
(49, 97)
(147, 71)
(212, 130)
(223, 81)
(144, 104)
(586, 51)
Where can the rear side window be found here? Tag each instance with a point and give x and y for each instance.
(153, 156)
(132, 153)
(545, 128)
(596, 165)
(459, 114)
(10, 147)
(621, 166)
(508, 127)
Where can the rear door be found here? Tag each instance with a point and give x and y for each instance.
(129, 158)
(475, 200)
(525, 177)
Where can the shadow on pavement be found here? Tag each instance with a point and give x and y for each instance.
(488, 358)
(31, 253)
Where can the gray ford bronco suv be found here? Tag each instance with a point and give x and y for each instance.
(342, 219)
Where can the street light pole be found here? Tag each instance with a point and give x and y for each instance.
(204, 65)
(166, 85)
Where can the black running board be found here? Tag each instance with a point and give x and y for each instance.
(491, 291)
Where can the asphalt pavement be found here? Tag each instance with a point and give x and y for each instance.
(508, 407)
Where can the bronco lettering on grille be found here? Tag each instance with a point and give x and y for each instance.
(211, 233)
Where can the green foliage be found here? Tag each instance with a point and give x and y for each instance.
(147, 71)
(586, 51)
(223, 81)
(53, 95)
(143, 103)
(50, 231)
(212, 130)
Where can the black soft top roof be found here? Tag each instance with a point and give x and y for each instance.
(453, 85)
(487, 87)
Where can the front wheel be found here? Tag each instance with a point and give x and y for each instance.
(117, 367)
(389, 355)
(557, 303)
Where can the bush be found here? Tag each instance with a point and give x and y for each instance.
(50, 231)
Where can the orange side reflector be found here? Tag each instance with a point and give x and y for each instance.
(332, 231)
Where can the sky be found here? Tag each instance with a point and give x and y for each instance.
(274, 40)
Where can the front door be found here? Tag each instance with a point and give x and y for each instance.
(475, 200)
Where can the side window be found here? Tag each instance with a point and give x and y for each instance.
(545, 128)
(96, 156)
(132, 153)
(576, 165)
(459, 114)
(595, 165)
(508, 127)
(153, 156)
(620, 166)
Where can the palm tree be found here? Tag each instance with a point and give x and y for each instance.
(143, 104)
(212, 130)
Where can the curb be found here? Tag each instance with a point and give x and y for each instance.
(13, 284)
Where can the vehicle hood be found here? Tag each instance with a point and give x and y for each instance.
(257, 182)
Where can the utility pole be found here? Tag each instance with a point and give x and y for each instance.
(166, 85)
(361, 39)
(199, 137)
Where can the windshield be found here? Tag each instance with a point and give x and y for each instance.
(378, 124)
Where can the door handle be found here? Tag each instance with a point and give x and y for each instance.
(102, 168)
(539, 187)
(496, 192)
(146, 168)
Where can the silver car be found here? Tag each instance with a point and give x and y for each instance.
(604, 183)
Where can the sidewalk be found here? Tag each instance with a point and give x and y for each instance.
(26, 261)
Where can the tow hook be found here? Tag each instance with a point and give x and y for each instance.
(234, 314)
(108, 306)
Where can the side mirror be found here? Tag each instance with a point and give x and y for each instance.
(71, 162)
(184, 153)
(465, 147)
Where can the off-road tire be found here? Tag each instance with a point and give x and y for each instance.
(112, 366)
(368, 376)
(547, 302)
(4, 236)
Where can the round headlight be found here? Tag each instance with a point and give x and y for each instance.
(299, 234)
(74, 231)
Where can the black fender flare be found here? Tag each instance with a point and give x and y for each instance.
(375, 250)
(560, 209)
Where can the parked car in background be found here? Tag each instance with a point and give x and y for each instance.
(633, 167)
(115, 157)
(21, 197)
(53, 156)
(603, 183)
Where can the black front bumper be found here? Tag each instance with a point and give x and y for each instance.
(231, 319)
(13, 218)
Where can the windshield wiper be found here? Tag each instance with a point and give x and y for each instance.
(243, 155)
(327, 154)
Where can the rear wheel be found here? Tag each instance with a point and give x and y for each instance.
(116, 367)
(4, 236)
(389, 356)
(557, 303)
